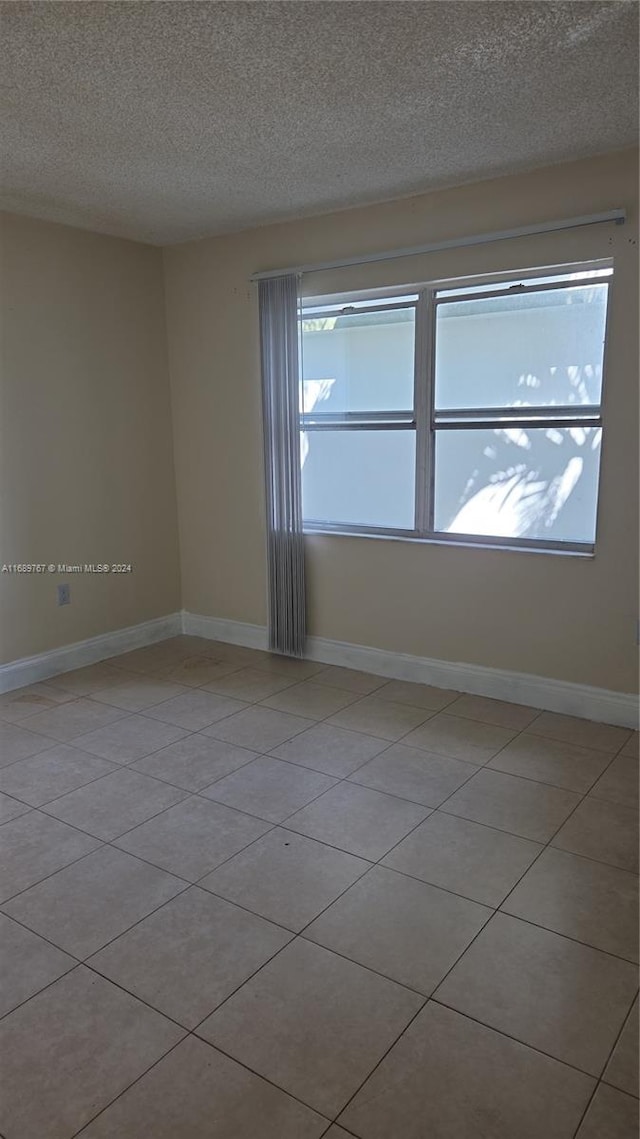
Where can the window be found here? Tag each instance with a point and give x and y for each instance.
(461, 414)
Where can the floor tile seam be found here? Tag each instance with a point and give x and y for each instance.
(261, 818)
(67, 742)
(99, 844)
(48, 802)
(65, 973)
(537, 841)
(547, 845)
(615, 1045)
(361, 696)
(516, 1039)
(123, 1091)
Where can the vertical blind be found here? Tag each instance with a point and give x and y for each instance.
(278, 306)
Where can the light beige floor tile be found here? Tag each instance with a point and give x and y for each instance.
(16, 743)
(138, 693)
(52, 773)
(312, 1023)
(249, 684)
(191, 645)
(611, 1115)
(193, 838)
(239, 655)
(519, 806)
(350, 679)
(489, 711)
(29, 964)
(310, 699)
(114, 804)
(269, 788)
(129, 739)
(11, 808)
(602, 830)
(22, 702)
(34, 846)
(286, 877)
(473, 860)
(86, 905)
(585, 733)
(260, 729)
(619, 784)
(189, 955)
(147, 661)
(362, 822)
(331, 750)
(286, 666)
(460, 739)
(195, 709)
(414, 774)
(75, 718)
(108, 1038)
(624, 1065)
(91, 678)
(418, 695)
(194, 762)
(163, 654)
(566, 999)
(450, 1078)
(410, 932)
(197, 1093)
(382, 718)
(549, 761)
(336, 1132)
(593, 903)
(198, 671)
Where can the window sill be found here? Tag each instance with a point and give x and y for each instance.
(566, 550)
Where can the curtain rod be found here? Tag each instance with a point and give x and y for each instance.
(619, 216)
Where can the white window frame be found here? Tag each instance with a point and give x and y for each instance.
(426, 421)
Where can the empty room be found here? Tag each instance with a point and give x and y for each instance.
(319, 613)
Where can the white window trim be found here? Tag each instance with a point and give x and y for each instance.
(423, 419)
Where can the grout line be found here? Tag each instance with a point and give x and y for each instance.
(132, 1084)
(346, 779)
(516, 1039)
(260, 1076)
(44, 878)
(74, 965)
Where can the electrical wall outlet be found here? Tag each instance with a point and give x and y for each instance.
(64, 595)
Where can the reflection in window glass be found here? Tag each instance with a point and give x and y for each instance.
(526, 350)
(537, 483)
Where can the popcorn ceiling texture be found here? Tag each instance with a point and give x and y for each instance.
(169, 121)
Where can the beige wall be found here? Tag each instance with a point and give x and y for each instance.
(86, 450)
(550, 615)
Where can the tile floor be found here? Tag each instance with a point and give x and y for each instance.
(245, 897)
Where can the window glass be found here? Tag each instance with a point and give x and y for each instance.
(518, 482)
(527, 349)
(357, 362)
(359, 477)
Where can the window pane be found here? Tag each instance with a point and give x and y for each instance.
(518, 483)
(365, 477)
(524, 350)
(358, 362)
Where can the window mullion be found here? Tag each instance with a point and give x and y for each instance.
(422, 403)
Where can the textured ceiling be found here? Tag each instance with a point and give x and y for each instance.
(167, 121)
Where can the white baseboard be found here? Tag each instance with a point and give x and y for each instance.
(28, 670)
(599, 704)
